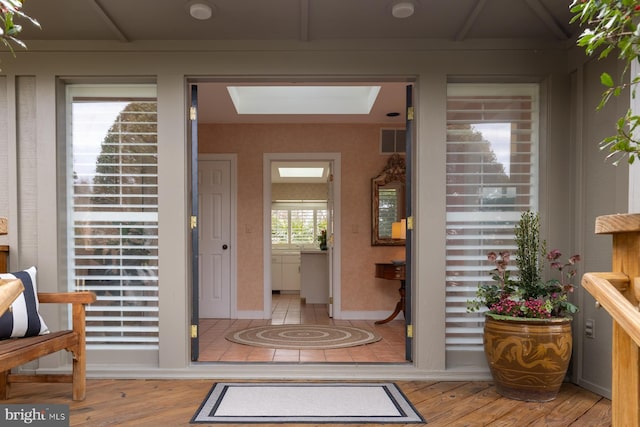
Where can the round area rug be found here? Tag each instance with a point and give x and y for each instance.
(304, 337)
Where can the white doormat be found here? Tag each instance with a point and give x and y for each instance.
(376, 403)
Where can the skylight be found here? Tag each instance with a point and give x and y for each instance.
(300, 172)
(303, 99)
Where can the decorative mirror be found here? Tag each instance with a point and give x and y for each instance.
(388, 204)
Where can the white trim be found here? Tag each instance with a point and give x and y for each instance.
(278, 371)
(634, 169)
(251, 314)
(634, 188)
(368, 315)
(268, 158)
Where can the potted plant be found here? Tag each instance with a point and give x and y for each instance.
(527, 331)
(322, 239)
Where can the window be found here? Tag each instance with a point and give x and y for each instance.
(297, 224)
(492, 164)
(112, 185)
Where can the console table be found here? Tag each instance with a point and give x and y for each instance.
(393, 271)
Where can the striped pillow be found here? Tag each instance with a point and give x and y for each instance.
(23, 318)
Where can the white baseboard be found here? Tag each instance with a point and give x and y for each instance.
(367, 315)
(344, 315)
(249, 314)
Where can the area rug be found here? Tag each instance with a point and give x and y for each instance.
(363, 403)
(303, 336)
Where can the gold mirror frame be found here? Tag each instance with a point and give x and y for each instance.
(393, 176)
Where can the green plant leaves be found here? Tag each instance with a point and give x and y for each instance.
(9, 30)
(606, 79)
(612, 25)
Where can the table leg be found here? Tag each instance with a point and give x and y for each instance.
(399, 306)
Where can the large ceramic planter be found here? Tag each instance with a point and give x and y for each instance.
(528, 358)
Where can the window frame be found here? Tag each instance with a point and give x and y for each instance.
(317, 208)
(138, 271)
(465, 271)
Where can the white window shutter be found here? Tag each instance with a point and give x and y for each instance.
(113, 227)
(492, 146)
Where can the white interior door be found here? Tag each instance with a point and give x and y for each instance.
(331, 239)
(214, 178)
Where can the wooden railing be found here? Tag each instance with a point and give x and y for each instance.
(619, 293)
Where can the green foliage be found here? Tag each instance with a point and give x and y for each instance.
(9, 30)
(528, 295)
(530, 252)
(612, 26)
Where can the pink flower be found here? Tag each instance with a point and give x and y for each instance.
(554, 255)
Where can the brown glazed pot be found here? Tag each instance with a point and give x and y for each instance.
(528, 358)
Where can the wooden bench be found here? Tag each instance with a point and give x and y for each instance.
(18, 351)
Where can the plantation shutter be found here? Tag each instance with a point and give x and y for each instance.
(113, 230)
(279, 226)
(492, 144)
(302, 227)
(297, 224)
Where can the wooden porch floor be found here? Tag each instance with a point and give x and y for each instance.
(172, 403)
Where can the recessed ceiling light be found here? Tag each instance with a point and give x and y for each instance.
(200, 11)
(303, 99)
(301, 172)
(403, 9)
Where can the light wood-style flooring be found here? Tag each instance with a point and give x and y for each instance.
(172, 403)
(288, 309)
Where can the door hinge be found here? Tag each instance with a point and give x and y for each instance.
(409, 331)
(193, 113)
(194, 221)
(330, 300)
(194, 331)
(410, 223)
(409, 113)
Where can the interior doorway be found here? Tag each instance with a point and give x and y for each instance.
(305, 218)
(216, 130)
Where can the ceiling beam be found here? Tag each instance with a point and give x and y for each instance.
(304, 20)
(546, 17)
(110, 23)
(471, 19)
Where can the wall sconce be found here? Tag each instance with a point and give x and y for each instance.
(399, 230)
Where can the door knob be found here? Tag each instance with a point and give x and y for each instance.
(225, 247)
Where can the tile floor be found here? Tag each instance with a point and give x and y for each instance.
(288, 309)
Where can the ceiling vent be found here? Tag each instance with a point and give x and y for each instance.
(392, 141)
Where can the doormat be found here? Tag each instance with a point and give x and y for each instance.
(257, 403)
(303, 337)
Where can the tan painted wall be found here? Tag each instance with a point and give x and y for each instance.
(171, 64)
(361, 161)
